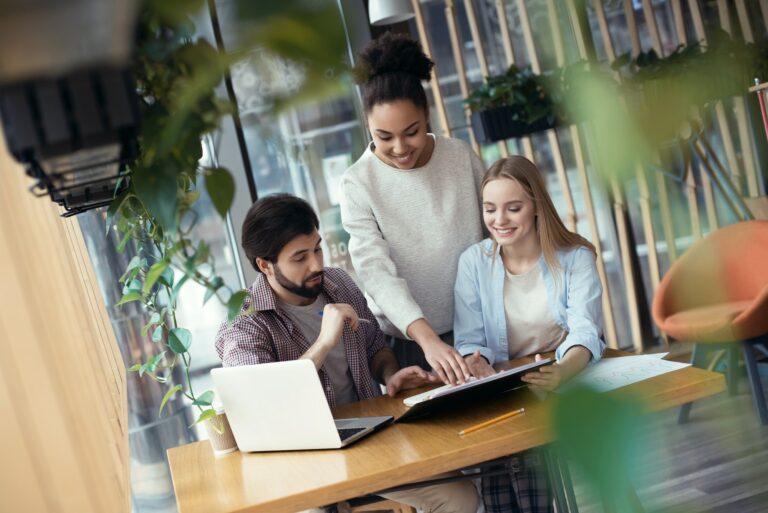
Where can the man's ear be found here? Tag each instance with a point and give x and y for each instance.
(264, 266)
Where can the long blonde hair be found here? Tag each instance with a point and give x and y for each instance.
(553, 235)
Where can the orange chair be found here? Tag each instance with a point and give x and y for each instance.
(716, 295)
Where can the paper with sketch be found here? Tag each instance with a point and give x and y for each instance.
(612, 373)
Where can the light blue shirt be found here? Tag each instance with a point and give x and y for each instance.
(574, 297)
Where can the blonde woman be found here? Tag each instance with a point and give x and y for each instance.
(530, 288)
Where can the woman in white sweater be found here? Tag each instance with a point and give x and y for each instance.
(411, 207)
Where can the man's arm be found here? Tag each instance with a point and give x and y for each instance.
(334, 317)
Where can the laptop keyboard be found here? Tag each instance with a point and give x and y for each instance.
(345, 433)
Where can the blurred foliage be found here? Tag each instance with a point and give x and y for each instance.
(176, 76)
(602, 435)
(636, 106)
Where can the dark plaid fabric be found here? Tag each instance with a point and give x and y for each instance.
(524, 489)
(268, 335)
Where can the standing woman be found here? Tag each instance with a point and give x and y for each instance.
(410, 204)
(531, 287)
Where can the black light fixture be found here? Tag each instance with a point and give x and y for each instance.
(68, 106)
(73, 134)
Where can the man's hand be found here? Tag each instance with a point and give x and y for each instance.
(334, 317)
(546, 378)
(479, 366)
(446, 361)
(409, 377)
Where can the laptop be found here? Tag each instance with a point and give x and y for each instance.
(453, 397)
(281, 407)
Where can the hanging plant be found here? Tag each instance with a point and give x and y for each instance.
(176, 75)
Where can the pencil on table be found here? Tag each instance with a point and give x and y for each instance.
(491, 421)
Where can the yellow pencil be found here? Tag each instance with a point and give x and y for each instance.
(491, 421)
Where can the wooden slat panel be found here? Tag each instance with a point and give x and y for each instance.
(677, 14)
(480, 52)
(458, 59)
(610, 320)
(720, 113)
(554, 143)
(740, 110)
(59, 362)
(434, 83)
(509, 54)
(619, 206)
(724, 14)
(764, 12)
(506, 37)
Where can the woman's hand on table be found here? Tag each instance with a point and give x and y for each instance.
(446, 361)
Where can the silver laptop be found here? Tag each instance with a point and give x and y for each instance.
(281, 406)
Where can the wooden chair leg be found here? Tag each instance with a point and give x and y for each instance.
(754, 380)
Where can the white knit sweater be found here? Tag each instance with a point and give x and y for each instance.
(407, 230)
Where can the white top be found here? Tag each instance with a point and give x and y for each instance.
(308, 320)
(407, 230)
(530, 325)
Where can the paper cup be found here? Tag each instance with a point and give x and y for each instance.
(221, 442)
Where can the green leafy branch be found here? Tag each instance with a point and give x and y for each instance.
(175, 76)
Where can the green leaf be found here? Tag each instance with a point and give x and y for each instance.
(202, 253)
(154, 273)
(133, 286)
(124, 241)
(179, 340)
(127, 298)
(166, 278)
(215, 285)
(153, 362)
(235, 303)
(157, 188)
(207, 414)
(157, 335)
(134, 368)
(170, 393)
(114, 208)
(221, 188)
(177, 288)
(204, 399)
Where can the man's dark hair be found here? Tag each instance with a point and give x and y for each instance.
(391, 68)
(274, 221)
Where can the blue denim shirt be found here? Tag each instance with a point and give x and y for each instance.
(575, 300)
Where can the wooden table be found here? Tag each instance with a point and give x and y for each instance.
(401, 453)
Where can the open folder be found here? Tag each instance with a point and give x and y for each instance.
(452, 397)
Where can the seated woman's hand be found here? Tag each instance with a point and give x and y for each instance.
(409, 377)
(479, 366)
(546, 378)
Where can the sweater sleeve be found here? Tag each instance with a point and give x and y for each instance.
(371, 259)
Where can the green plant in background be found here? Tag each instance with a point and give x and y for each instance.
(176, 75)
(661, 92)
(520, 89)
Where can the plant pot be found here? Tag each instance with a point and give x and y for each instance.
(497, 124)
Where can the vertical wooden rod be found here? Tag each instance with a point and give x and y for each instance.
(434, 83)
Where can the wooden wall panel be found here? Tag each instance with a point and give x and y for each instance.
(62, 380)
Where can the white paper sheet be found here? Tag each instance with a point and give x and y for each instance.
(612, 373)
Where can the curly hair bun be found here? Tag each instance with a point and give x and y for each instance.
(393, 53)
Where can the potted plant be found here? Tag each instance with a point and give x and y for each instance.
(176, 76)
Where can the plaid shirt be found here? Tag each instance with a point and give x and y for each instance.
(525, 489)
(268, 335)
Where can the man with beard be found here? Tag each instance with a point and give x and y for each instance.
(296, 308)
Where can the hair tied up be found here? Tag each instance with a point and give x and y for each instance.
(392, 53)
